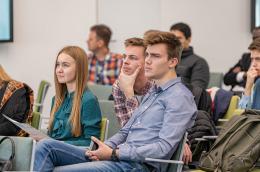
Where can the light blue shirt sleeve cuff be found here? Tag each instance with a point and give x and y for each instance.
(124, 152)
(243, 104)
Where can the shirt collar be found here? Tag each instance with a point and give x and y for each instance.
(168, 84)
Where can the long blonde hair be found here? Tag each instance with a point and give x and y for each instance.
(3, 75)
(81, 60)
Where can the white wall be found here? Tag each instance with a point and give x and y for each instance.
(221, 30)
(131, 19)
(41, 29)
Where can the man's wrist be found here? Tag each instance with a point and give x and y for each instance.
(114, 155)
(129, 93)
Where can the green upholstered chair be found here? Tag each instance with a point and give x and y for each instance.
(42, 91)
(101, 91)
(36, 120)
(104, 129)
(108, 111)
(215, 79)
(233, 105)
(24, 152)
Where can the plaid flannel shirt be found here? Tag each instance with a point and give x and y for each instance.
(124, 107)
(105, 72)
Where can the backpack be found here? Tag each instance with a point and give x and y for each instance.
(237, 147)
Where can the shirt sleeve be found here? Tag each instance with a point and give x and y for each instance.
(182, 110)
(15, 108)
(120, 136)
(245, 102)
(90, 119)
(124, 107)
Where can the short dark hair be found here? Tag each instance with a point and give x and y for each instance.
(256, 32)
(255, 45)
(182, 27)
(103, 32)
(134, 42)
(174, 47)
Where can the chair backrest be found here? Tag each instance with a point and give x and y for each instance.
(24, 152)
(177, 156)
(42, 91)
(215, 79)
(36, 119)
(108, 111)
(233, 105)
(104, 129)
(101, 91)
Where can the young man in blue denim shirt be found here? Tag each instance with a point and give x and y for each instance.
(154, 130)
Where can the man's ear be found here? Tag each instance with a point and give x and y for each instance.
(173, 62)
(189, 40)
(100, 43)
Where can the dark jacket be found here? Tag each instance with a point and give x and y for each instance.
(230, 76)
(193, 69)
(203, 126)
(16, 102)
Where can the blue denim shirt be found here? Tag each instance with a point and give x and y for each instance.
(158, 125)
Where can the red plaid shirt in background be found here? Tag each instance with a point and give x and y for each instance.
(105, 72)
(124, 107)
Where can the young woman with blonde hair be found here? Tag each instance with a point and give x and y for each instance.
(75, 114)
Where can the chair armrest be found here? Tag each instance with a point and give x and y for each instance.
(38, 104)
(200, 139)
(223, 120)
(164, 161)
(210, 137)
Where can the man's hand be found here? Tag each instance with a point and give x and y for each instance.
(252, 73)
(126, 82)
(187, 154)
(102, 153)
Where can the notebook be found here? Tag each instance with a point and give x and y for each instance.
(33, 132)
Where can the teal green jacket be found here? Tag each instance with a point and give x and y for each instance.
(90, 120)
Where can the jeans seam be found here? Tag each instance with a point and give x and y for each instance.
(61, 150)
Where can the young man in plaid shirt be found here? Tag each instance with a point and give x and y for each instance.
(104, 66)
(132, 84)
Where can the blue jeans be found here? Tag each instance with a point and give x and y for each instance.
(51, 153)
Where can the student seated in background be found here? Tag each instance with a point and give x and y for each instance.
(236, 76)
(192, 69)
(132, 83)
(154, 130)
(251, 97)
(75, 114)
(104, 66)
(16, 101)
